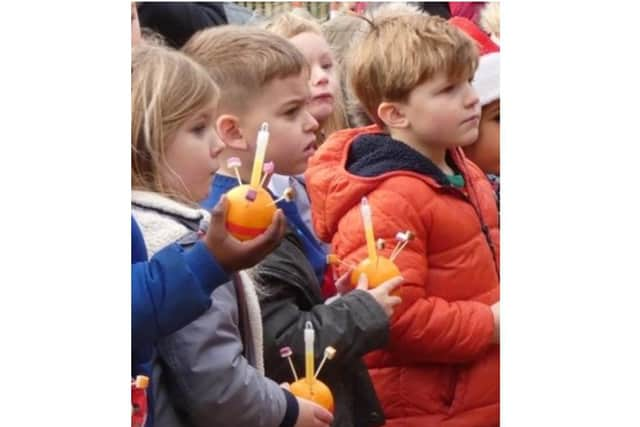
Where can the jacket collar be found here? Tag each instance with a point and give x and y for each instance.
(374, 154)
(190, 217)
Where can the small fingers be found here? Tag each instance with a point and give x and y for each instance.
(322, 415)
(393, 301)
(392, 284)
(273, 234)
(363, 282)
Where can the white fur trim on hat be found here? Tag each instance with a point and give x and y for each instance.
(486, 81)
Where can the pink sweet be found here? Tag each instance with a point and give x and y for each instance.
(268, 167)
(234, 162)
(285, 352)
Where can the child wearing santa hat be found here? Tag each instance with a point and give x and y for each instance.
(485, 152)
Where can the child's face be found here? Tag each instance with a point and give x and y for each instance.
(283, 103)
(443, 113)
(192, 156)
(323, 81)
(485, 152)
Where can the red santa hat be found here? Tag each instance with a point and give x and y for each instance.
(486, 81)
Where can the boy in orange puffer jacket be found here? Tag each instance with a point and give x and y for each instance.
(412, 74)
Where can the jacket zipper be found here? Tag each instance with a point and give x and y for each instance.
(485, 229)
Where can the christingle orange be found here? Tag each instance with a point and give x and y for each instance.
(251, 207)
(310, 387)
(377, 268)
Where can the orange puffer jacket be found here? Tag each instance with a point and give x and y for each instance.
(440, 367)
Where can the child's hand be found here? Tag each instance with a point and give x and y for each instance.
(231, 253)
(343, 284)
(382, 291)
(495, 309)
(312, 415)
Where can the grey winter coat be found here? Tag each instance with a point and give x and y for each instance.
(205, 375)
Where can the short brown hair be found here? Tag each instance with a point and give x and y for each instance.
(242, 60)
(401, 52)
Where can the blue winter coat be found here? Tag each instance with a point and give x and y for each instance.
(168, 292)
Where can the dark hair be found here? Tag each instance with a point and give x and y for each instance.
(177, 21)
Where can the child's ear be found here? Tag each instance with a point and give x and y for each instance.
(228, 127)
(392, 115)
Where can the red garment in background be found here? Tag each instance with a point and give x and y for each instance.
(361, 6)
(468, 9)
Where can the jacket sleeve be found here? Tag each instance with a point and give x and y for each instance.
(212, 382)
(354, 324)
(171, 290)
(424, 328)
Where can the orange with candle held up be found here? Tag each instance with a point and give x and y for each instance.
(250, 211)
(377, 271)
(377, 268)
(251, 207)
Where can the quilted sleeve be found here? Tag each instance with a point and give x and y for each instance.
(424, 328)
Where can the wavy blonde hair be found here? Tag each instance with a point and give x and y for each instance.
(400, 52)
(490, 20)
(167, 88)
(342, 32)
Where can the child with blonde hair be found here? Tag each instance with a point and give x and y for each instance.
(490, 20)
(343, 31)
(175, 152)
(306, 34)
(264, 78)
(412, 74)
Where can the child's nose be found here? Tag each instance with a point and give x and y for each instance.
(311, 124)
(320, 77)
(471, 97)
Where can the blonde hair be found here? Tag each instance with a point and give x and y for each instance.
(167, 88)
(396, 8)
(490, 19)
(342, 32)
(242, 60)
(153, 37)
(401, 52)
(290, 24)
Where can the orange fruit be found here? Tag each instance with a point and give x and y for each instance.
(378, 271)
(318, 392)
(247, 219)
